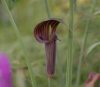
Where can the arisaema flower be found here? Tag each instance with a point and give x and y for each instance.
(45, 32)
(5, 71)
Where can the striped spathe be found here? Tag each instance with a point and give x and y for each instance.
(45, 32)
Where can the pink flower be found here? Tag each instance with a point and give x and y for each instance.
(5, 71)
(92, 78)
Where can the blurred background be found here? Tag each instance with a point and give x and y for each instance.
(27, 14)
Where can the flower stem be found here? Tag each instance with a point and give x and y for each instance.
(85, 37)
(49, 82)
(21, 43)
(47, 8)
(70, 47)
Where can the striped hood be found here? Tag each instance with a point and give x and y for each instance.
(45, 32)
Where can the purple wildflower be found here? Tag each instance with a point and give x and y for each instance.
(45, 32)
(5, 71)
(92, 79)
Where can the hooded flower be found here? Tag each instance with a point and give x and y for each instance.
(5, 71)
(45, 32)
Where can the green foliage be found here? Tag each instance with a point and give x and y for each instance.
(91, 48)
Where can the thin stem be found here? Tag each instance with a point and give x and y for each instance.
(85, 37)
(47, 8)
(21, 43)
(49, 82)
(81, 55)
(70, 47)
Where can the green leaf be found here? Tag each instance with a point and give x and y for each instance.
(97, 13)
(91, 48)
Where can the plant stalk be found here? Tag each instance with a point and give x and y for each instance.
(70, 46)
(85, 37)
(47, 8)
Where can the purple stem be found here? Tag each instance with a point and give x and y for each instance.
(50, 49)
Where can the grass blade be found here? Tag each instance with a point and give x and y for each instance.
(91, 48)
(84, 43)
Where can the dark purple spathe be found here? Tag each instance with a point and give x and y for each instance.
(45, 32)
